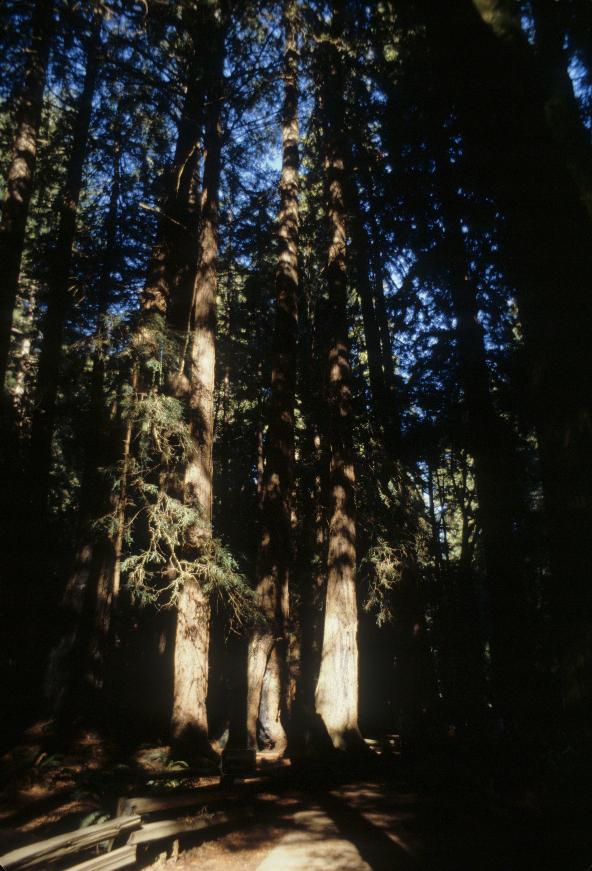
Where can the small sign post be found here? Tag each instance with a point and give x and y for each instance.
(237, 762)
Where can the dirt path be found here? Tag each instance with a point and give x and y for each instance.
(354, 827)
(384, 817)
(375, 825)
(387, 824)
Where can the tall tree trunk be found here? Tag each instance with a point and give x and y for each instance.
(173, 264)
(336, 695)
(550, 230)
(497, 484)
(307, 733)
(266, 663)
(170, 294)
(360, 243)
(386, 344)
(21, 173)
(77, 663)
(58, 300)
(189, 715)
(366, 239)
(547, 228)
(24, 334)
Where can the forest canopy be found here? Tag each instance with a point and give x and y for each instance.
(296, 363)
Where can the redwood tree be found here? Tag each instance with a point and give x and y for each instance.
(21, 172)
(336, 695)
(266, 653)
(59, 292)
(189, 715)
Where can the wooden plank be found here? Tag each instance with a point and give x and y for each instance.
(154, 804)
(170, 828)
(120, 858)
(143, 805)
(62, 845)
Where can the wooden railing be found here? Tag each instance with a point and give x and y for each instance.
(119, 838)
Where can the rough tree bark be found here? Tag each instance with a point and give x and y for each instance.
(266, 656)
(307, 734)
(336, 696)
(173, 263)
(21, 173)
(189, 725)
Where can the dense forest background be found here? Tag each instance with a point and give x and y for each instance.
(296, 349)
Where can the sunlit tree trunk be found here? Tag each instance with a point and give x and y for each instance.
(59, 296)
(336, 695)
(266, 663)
(24, 335)
(21, 171)
(189, 716)
(175, 285)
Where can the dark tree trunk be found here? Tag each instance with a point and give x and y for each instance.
(77, 665)
(21, 172)
(549, 248)
(307, 734)
(498, 491)
(173, 264)
(386, 344)
(375, 247)
(274, 559)
(548, 64)
(59, 296)
(361, 246)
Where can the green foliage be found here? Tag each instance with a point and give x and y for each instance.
(382, 567)
(168, 543)
(93, 818)
(157, 572)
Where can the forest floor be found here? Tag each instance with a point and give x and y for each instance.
(385, 825)
(431, 814)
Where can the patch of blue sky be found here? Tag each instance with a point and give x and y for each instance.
(527, 24)
(581, 79)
